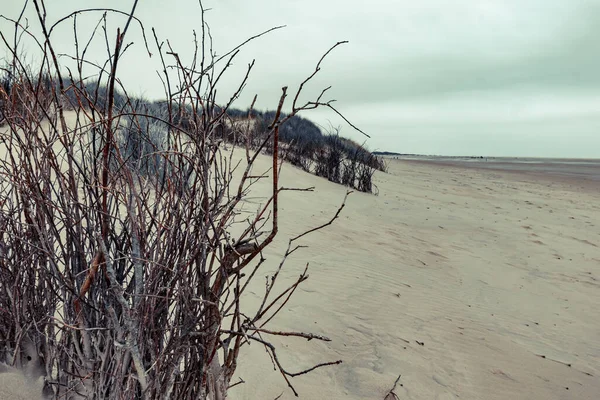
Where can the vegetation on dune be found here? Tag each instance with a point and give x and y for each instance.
(331, 156)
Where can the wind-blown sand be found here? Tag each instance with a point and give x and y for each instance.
(471, 284)
(496, 274)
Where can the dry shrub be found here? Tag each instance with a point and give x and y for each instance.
(118, 267)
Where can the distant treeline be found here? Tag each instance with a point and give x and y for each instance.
(329, 155)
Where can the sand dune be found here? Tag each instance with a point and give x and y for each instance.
(471, 284)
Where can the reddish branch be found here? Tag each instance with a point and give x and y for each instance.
(89, 279)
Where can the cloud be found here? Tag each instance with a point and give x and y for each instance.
(444, 70)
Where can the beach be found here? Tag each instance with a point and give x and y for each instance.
(469, 282)
(556, 168)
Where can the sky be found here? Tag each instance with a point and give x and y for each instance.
(446, 77)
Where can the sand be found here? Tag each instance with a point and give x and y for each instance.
(471, 284)
(496, 274)
(14, 385)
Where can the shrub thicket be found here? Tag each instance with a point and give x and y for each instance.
(126, 246)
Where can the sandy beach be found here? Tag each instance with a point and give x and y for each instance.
(469, 283)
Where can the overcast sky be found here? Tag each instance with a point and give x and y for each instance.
(451, 77)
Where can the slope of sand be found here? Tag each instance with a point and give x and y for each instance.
(14, 385)
(471, 284)
(496, 274)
